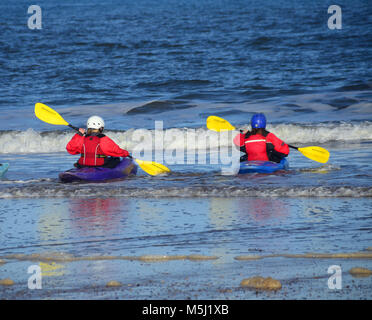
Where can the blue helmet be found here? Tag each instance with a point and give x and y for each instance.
(258, 121)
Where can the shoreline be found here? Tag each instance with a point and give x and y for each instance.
(300, 278)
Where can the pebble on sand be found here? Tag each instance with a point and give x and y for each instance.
(113, 283)
(360, 272)
(247, 257)
(261, 283)
(6, 282)
(199, 257)
(159, 258)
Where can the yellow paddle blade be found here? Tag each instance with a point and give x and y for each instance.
(315, 153)
(48, 115)
(218, 124)
(152, 168)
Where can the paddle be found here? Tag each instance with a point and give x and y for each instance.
(48, 115)
(314, 153)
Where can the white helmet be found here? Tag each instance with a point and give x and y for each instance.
(95, 122)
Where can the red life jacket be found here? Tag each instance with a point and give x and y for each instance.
(92, 154)
(255, 147)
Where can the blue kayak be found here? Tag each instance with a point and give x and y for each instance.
(3, 168)
(262, 166)
(125, 168)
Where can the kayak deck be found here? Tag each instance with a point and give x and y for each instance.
(262, 166)
(125, 168)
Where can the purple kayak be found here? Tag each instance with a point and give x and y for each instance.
(125, 168)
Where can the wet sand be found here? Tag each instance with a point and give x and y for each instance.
(103, 277)
(195, 248)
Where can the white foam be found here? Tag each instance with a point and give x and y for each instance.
(76, 191)
(30, 141)
(14, 182)
(323, 133)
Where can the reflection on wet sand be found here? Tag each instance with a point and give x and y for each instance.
(263, 210)
(98, 216)
(51, 269)
(94, 218)
(50, 224)
(50, 260)
(223, 212)
(91, 217)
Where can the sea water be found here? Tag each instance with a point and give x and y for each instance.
(183, 235)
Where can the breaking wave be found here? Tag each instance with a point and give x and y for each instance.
(83, 191)
(31, 141)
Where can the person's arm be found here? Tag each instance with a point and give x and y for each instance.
(110, 148)
(240, 138)
(278, 145)
(239, 142)
(75, 144)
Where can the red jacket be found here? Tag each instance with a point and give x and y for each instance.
(267, 147)
(94, 149)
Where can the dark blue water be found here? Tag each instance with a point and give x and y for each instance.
(180, 54)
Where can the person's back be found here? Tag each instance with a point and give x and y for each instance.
(95, 148)
(255, 146)
(260, 144)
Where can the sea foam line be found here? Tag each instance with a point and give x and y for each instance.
(201, 139)
(76, 191)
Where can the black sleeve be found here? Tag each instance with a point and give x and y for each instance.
(247, 135)
(274, 155)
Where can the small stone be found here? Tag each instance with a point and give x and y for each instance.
(199, 257)
(6, 282)
(113, 284)
(360, 272)
(261, 283)
(247, 257)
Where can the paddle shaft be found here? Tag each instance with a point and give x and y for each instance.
(73, 127)
(293, 147)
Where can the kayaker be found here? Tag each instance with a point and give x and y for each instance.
(96, 149)
(260, 144)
